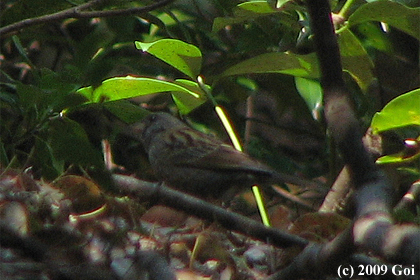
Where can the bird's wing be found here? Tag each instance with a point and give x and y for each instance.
(201, 151)
(211, 153)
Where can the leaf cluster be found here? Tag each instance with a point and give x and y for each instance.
(69, 82)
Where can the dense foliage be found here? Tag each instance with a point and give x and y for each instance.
(69, 82)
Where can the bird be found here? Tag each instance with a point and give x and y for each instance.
(198, 163)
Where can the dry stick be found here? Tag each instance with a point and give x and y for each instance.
(249, 123)
(199, 208)
(76, 12)
(339, 194)
(338, 198)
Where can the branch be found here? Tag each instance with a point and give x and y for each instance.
(76, 12)
(338, 106)
(319, 258)
(373, 228)
(205, 210)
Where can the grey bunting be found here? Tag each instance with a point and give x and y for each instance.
(198, 163)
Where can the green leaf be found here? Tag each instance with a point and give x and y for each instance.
(50, 166)
(311, 92)
(183, 56)
(355, 59)
(31, 96)
(278, 4)
(69, 143)
(402, 111)
(186, 102)
(395, 14)
(243, 12)
(220, 22)
(126, 111)
(57, 83)
(251, 8)
(53, 94)
(87, 92)
(372, 36)
(164, 21)
(128, 87)
(398, 158)
(284, 63)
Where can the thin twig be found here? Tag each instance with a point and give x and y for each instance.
(76, 12)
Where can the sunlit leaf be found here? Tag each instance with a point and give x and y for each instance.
(410, 154)
(402, 111)
(398, 158)
(186, 102)
(311, 92)
(183, 56)
(127, 87)
(278, 4)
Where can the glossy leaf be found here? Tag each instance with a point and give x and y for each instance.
(187, 102)
(399, 112)
(398, 158)
(127, 87)
(279, 4)
(397, 15)
(283, 63)
(254, 7)
(355, 59)
(183, 56)
(311, 92)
